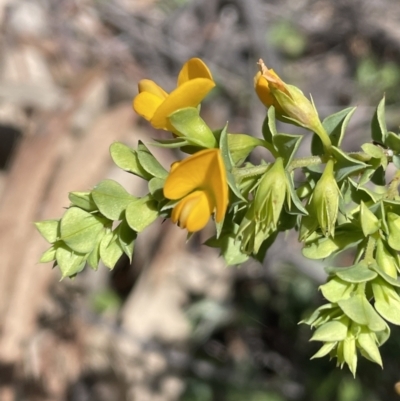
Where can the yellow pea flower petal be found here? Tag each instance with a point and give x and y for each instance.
(193, 211)
(189, 94)
(146, 104)
(204, 171)
(193, 68)
(147, 85)
(155, 105)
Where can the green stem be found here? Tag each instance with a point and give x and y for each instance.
(369, 251)
(325, 139)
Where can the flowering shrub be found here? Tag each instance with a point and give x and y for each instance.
(343, 202)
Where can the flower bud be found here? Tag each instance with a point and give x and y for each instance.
(325, 200)
(271, 195)
(290, 104)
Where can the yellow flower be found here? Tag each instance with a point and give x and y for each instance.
(201, 185)
(155, 105)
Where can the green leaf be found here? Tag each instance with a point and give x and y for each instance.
(360, 193)
(372, 150)
(269, 126)
(387, 301)
(330, 331)
(335, 125)
(127, 159)
(83, 200)
(336, 289)
(369, 222)
(141, 213)
(356, 274)
(396, 161)
(80, 229)
(111, 198)
(393, 141)
(126, 238)
(149, 163)
(322, 247)
(358, 309)
(110, 250)
(378, 123)
(49, 229)
(230, 248)
(156, 186)
(345, 164)
(390, 280)
(70, 262)
(287, 146)
(192, 127)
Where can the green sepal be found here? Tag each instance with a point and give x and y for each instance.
(378, 123)
(287, 146)
(49, 229)
(83, 200)
(325, 350)
(192, 127)
(69, 262)
(358, 309)
(296, 206)
(366, 342)
(110, 250)
(331, 331)
(80, 229)
(141, 213)
(93, 258)
(149, 163)
(111, 198)
(49, 255)
(227, 158)
(335, 125)
(325, 310)
(127, 159)
(345, 165)
(369, 222)
(126, 238)
(178, 142)
(240, 146)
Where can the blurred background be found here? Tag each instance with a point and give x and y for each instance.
(176, 324)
